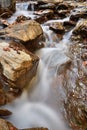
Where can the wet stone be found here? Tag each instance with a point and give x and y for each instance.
(57, 27)
(35, 129)
(25, 32)
(22, 18)
(5, 125)
(2, 97)
(44, 15)
(63, 13)
(33, 6)
(76, 88)
(79, 13)
(3, 24)
(62, 6)
(7, 8)
(51, 1)
(69, 23)
(80, 30)
(5, 112)
(76, 106)
(47, 6)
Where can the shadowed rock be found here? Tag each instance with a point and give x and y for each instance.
(80, 31)
(57, 27)
(35, 129)
(5, 112)
(17, 67)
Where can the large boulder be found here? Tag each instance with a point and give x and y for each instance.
(27, 32)
(80, 31)
(76, 88)
(17, 67)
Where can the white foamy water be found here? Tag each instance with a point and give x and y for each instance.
(41, 105)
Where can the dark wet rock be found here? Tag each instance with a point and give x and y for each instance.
(26, 32)
(57, 27)
(62, 6)
(5, 125)
(69, 23)
(40, 6)
(33, 6)
(52, 1)
(5, 112)
(22, 18)
(44, 16)
(76, 17)
(79, 13)
(63, 13)
(35, 129)
(7, 8)
(18, 66)
(80, 31)
(43, 4)
(3, 24)
(63, 9)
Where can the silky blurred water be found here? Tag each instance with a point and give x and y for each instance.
(41, 104)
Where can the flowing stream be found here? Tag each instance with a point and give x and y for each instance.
(41, 105)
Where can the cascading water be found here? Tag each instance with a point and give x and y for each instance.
(41, 105)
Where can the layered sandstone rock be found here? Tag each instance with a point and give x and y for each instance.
(27, 32)
(17, 65)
